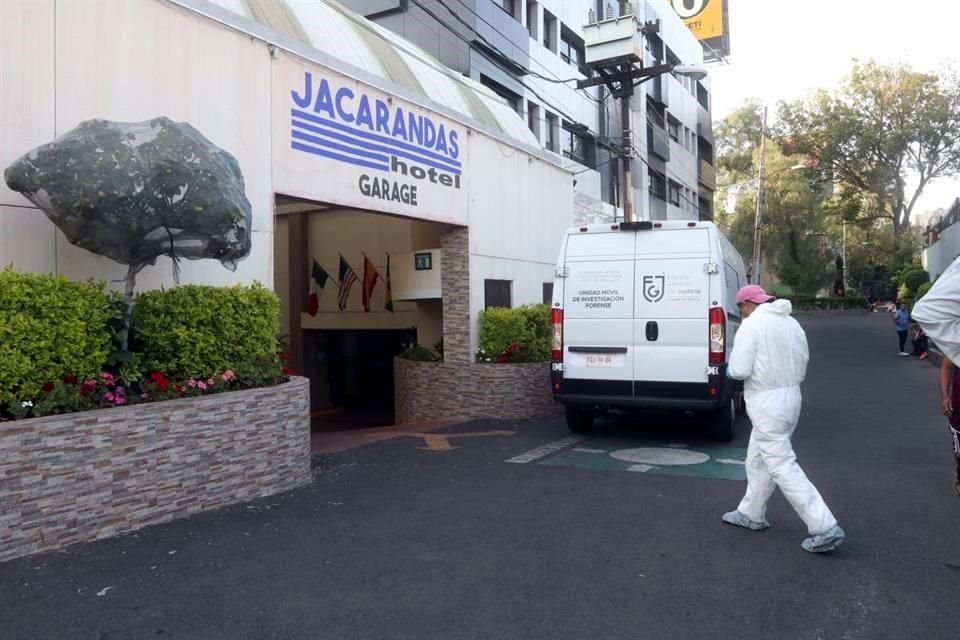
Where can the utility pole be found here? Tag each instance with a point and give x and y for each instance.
(843, 251)
(626, 157)
(758, 219)
(626, 145)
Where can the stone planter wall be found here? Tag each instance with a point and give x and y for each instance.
(431, 391)
(83, 476)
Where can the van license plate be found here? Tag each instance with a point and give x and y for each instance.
(603, 360)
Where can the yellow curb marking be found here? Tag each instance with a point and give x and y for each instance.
(441, 441)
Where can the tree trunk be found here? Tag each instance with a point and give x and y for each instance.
(130, 282)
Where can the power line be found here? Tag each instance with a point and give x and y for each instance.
(430, 12)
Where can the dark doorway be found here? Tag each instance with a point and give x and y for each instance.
(351, 375)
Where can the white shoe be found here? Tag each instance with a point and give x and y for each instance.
(904, 353)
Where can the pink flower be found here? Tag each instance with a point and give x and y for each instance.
(107, 378)
(145, 396)
(109, 397)
(202, 385)
(228, 375)
(191, 382)
(211, 382)
(120, 400)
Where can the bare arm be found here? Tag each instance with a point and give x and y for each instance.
(946, 379)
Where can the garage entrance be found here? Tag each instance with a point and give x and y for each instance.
(357, 288)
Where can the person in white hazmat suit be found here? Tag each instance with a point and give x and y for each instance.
(770, 355)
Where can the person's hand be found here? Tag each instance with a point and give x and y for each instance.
(947, 405)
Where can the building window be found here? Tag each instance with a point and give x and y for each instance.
(576, 145)
(673, 127)
(703, 96)
(496, 293)
(657, 186)
(550, 32)
(533, 19)
(512, 98)
(547, 293)
(552, 133)
(533, 118)
(674, 193)
(510, 6)
(571, 48)
(705, 150)
(705, 210)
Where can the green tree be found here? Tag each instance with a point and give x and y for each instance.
(885, 126)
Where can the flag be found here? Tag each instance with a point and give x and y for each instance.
(388, 294)
(348, 277)
(370, 277)
(318, 280)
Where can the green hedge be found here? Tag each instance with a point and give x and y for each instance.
(50, 328)
(502, 331)
(923, 289)
(813, 303)
(199, 331)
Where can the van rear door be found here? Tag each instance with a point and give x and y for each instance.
(671, 308)
(598, 306)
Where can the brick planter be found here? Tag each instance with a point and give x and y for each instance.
(84, 476)
(430, 391)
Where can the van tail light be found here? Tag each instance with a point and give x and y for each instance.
(556, 342)
(718, 336)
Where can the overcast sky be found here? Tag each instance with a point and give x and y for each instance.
(784, 49)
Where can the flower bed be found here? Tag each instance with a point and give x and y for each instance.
(59, 348)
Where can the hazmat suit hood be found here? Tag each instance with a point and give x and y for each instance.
(770, 349)
(779, 307)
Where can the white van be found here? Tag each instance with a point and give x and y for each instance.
(644, 315)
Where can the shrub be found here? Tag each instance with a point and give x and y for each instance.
(199, 331)
(812, 303)
(913, 278)
(418, 353)
(923, 289)
(50, 328)
(519, 335)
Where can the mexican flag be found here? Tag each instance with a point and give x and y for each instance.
(318, 280)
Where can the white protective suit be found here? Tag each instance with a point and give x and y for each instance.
(770, 355)
(938, 312)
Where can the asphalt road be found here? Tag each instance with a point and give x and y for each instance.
(395, 541)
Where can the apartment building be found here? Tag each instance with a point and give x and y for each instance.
(531, 52)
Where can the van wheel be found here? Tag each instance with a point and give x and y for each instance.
(723, 422)
(579, 419)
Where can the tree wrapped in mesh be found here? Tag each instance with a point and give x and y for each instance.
(133, 192)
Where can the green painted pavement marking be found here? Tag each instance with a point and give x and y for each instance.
(659, 457)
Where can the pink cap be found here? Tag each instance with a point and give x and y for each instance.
(753, 293)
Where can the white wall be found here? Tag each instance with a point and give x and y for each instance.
(65, 62)
(522, 226)
(937, 258)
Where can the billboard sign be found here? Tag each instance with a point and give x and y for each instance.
(709, 22)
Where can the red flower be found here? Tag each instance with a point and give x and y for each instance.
(70, 379)
(178, 388)
(87, 387)
(48, 387)
(160, 380)
(288, 371)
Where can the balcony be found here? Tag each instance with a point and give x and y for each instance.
(707, 174)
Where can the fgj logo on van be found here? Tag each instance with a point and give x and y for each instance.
(654, 288)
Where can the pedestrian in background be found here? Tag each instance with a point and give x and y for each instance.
(770, 355)
(901, 320)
